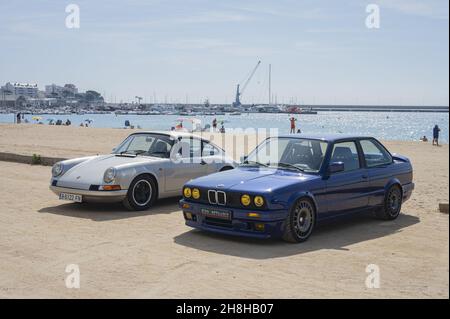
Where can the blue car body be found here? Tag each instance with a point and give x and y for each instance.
(333, 195)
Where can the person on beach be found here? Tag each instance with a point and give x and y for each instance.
(436, 131)
(18, 118)
(424, 138)
(293, 120)
(214, 124)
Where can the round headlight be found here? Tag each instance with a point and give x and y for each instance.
(259, 201)
(196, 193)
(187, 192)
(245, 200)
(57, 169)
(110, 174)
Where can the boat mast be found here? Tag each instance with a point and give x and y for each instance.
(270, 84)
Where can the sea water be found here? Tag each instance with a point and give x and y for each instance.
(406, 126)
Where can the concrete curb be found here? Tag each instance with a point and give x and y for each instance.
(28, 159)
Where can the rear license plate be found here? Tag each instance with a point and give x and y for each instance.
(71, 197)
(215, 213)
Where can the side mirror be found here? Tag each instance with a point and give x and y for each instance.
(243, 159)
(336, 167)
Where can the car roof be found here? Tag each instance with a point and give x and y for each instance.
(174, 134)
(324, 137)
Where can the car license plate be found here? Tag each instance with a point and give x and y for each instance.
(71, 197)
(215, 213)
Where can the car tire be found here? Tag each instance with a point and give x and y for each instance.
(392, 204)
(300, 222)
(141, 194)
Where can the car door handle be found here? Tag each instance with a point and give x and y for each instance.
(364, 176)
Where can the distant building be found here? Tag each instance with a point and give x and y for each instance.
(20, 89)
(56, 90)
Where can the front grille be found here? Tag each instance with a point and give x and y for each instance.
(221, 198)
(217, 197)
(212, 197)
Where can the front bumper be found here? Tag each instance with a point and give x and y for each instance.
(92, 196)
(239, 225)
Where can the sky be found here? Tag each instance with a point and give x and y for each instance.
(321, 52)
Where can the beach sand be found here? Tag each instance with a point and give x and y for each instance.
(152, 254)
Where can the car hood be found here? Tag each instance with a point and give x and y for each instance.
(91, 171)
(252, 179)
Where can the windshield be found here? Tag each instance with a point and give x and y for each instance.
(147, 145)
(289, 153)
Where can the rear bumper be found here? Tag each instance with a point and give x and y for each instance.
(238, 225)
(93, 196)
(407, 191)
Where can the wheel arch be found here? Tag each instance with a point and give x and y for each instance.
(393, 181)
(150, 175)
(304, 194)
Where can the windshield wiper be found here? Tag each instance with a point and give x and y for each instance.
(287, 165)
(253, 163)
(133, 152)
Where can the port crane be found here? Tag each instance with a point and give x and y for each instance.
(240, 90)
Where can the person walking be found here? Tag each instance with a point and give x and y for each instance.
(18, 118)
(214, 124)
(436, 131)
(292, 120)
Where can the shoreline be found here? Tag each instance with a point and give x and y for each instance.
(72, 141)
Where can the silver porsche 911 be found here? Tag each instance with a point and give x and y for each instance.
(144, 167)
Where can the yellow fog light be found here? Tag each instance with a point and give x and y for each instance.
(188, 216)
(254, 215)
(259, 227)
(245, 200)
(187, 192)
(186, 206)
(259, 201)
(196, 193)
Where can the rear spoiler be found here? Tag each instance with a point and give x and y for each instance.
(401, 158)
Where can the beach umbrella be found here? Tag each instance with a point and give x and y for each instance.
(89, 120)
(36, 118)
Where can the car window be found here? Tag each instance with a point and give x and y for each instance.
(209, 150)
(140, 142)
(190, 147)
(347, 153)
(290, 153)
(146, 144)
(374, 153)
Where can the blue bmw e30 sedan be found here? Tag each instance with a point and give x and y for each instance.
(289, 183)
